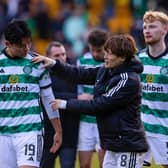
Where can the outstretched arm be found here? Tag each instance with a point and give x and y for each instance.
(108, 101)
(47, 62)
(70, 73)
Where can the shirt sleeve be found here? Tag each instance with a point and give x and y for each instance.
(44, 79)
(46, 97)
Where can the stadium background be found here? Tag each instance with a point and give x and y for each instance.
(69, 21)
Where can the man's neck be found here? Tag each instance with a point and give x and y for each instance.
(157, 49)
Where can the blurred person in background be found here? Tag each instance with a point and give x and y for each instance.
(75, 27)
(116, 102)
(70, 123)
(155, 86)
(89, 139)
(21, 85)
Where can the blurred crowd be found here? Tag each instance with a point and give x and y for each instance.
(69, 21)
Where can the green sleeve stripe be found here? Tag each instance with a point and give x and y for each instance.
(19, 96)
(21, 128)
(155, 96)
(19, 112)
(157, 129)
(157, 113)
(157, 79)
(21, 79)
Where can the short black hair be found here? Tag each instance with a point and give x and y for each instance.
(16, 30)
(97, 37)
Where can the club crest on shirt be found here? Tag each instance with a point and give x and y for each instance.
(13, 79)
(164, 71)
(150, 78)
(27, 69)
(46, 76)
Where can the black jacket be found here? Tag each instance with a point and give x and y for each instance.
(116, 103)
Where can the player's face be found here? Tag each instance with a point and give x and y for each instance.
(153, 32)
(111, 60)
(19, 50)
(58, 53)
(97, 52)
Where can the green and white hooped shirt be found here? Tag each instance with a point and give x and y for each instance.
(20, 83)
(87, 60)
(155, 94)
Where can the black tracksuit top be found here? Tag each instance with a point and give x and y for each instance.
(116, 103)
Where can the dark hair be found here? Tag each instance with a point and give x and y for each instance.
(97, 37)
(122, 46)
(16, 30)
(52, 44)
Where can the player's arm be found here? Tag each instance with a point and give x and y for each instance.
(47, 96)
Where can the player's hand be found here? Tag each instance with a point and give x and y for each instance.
(85, 96)
(56, 104)
(57, 141)
(47, 62)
